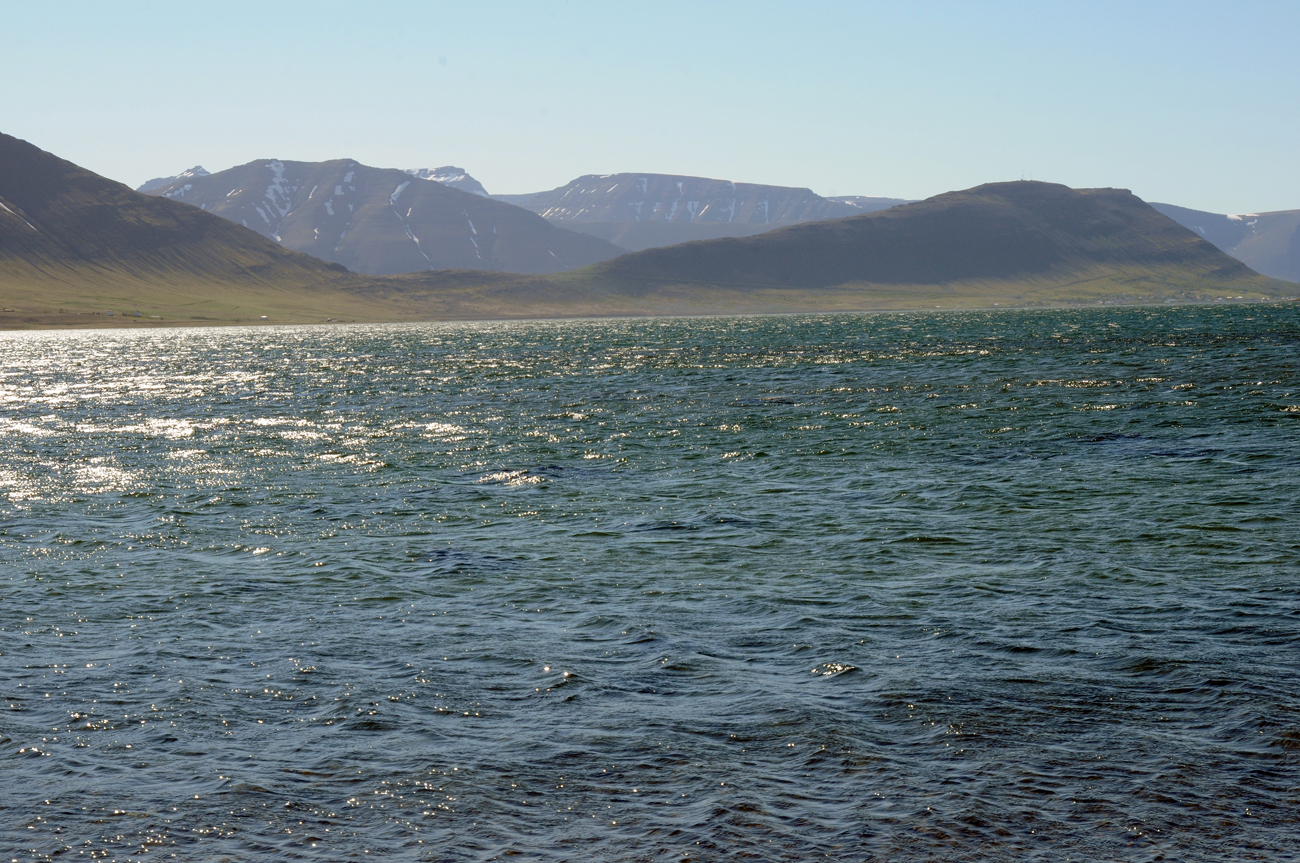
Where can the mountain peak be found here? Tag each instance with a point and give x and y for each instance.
(450, 175)
(159, 182)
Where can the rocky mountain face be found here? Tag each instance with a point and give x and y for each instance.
(448, 175)
(640, 211)
(385, 221)
(1268, 243)
(55, 216)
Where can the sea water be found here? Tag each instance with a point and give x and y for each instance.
(1018, 585)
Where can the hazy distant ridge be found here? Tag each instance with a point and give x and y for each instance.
(1268, 243)
(383, 221)
(639, 211)
(1043, 234)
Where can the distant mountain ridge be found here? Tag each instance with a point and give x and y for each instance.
(869, 203)
(160, 182)
(77, 249)
(56, 216)
(1030, 233)
(72, 236)
(639, 211)
(383, 221)
(449, 175)
(1268, 243)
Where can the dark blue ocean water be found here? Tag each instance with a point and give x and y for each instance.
(961, 586)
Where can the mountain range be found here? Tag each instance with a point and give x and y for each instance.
(641, 211)
(1268, 243)
(1027, 241)
(69, 237)
(382, 221)
(75, 247)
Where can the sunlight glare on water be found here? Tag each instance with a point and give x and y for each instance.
(994, 586)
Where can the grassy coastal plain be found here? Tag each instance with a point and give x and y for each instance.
(473, 295)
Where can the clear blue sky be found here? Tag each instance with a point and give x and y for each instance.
(1194, 103)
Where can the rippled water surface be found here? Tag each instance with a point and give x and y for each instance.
(963, 586)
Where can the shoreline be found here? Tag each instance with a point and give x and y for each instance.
(98, 321)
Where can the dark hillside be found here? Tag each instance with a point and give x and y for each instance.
(1000, 231)
(60, 218)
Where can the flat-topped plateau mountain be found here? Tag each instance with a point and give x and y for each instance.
(75, 247)
(1268, 243)
(448, 175)
(641, 211)
(384, 221)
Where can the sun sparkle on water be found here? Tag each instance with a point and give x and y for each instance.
(908, 587)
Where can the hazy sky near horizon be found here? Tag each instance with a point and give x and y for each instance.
(1192, 103)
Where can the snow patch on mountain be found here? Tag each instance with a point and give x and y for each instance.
(159, 182)
(450, 175)
(276, 192)
(11, 212)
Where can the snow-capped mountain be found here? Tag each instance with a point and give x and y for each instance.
(160, 182)
(384, 221)
(639, 211)
(450, 175)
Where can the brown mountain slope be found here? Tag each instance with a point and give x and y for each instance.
(1035, 232)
